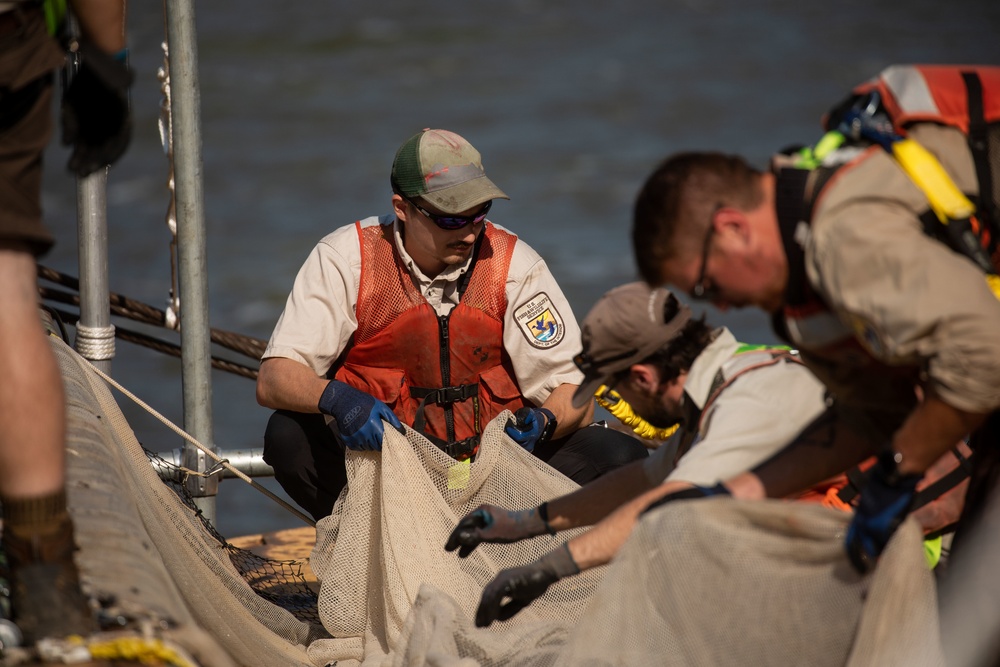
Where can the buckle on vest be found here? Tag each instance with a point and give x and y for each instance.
(446, 395)
(461, 450)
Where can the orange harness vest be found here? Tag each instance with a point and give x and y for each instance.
(445, 376)
(967, 98)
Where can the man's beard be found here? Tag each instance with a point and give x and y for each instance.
(662, 418)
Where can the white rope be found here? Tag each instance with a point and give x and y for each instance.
(220, 462)
(95, 343)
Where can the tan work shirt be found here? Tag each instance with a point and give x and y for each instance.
(752, 419)
(921, 310)
(319, 317)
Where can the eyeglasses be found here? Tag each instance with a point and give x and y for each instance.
(702, 291)
(453, 222)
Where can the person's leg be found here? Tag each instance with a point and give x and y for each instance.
(37, 529)
(590, 452)
(308, 461)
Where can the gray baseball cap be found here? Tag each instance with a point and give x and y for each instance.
(444, 169)
(626, 325)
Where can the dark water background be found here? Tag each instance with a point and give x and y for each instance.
(571, 104)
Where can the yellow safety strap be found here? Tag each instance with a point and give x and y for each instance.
(611, 400)
(946, 200)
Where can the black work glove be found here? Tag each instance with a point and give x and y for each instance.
(690, 493)
(885, 501)
(488, 523)
(523, 585)
(95, 111)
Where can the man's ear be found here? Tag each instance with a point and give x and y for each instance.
(644, 378)
(399, 207)
(732, 224)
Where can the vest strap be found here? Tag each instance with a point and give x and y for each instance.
(460, 451)
(441, 396)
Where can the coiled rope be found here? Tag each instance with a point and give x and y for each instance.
(611, 400)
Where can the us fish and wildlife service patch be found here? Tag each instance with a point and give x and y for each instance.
(868, 335)
(540, 322)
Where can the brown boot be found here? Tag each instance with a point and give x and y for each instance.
(46, 599)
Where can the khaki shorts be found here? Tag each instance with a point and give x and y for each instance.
(28, 56)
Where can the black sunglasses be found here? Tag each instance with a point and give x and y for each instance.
(453, 222)
(701, 291)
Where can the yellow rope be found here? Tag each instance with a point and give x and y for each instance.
(611, 400)
(146, 651)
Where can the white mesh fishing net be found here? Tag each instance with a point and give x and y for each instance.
(714, 582)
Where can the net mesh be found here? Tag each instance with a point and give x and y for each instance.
(283, 582)
(147, 555)
(713, 582)
(385, 539)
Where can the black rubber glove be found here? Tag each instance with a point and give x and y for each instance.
(95, 111)
(359, 415)
(488, 523)
(690, 493)
(523, 585)
(884, 502)
(530, 426)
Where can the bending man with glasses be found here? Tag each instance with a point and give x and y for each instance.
(736, 404)
(431, 316)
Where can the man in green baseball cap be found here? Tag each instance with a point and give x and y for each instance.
(434, 317)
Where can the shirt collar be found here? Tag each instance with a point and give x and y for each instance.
(706, 365)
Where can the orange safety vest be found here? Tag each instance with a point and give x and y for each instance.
(446, 376)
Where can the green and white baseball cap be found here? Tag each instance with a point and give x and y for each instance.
(444, 170)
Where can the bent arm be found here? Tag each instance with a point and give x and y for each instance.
(825, 448)
(930, 431)
(600, 544)
(569, 418)
(595, 501)
(286, 384)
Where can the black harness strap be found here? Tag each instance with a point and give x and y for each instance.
(443, 396)
(980, 147)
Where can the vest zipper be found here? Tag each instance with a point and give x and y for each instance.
(449, 409)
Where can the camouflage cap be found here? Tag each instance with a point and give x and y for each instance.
(625, 327)
(444, 170)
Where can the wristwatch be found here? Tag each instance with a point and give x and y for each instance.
(550, 425)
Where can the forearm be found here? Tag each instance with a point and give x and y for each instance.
(593, 502)
(825, 448)
(285, 384)
(102, 22)
(931, 430)
(600, 544)
(569, 418)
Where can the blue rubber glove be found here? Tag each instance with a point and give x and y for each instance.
(359, 416)
(884, 502)
(528, 427)
(690, 493)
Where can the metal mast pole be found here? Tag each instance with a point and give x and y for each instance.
(185, 109)
(95, 335)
